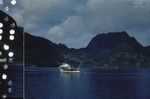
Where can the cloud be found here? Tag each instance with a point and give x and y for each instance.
(71, 27)
(74, 21)
(49, 12)
(71, 32)
(112, 15)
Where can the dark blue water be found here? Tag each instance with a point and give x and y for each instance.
(49, 83)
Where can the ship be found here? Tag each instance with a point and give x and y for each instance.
(67, 68)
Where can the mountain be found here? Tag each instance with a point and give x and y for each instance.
(116, 50)
(107, 50)
(41, 52)
(120, 41)
(147, 50)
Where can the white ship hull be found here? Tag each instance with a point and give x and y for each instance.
(67, 71)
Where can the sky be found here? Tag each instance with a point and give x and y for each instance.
(76, 22)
